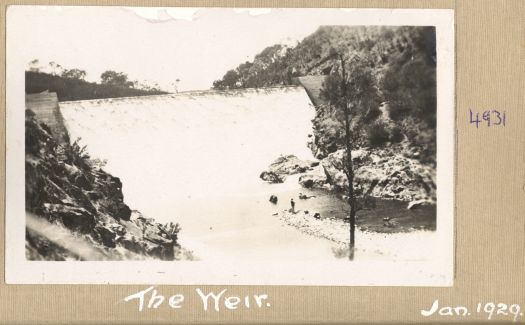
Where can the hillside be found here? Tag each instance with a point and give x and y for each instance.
(77, 89)
(76, 210)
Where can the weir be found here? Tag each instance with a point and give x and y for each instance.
(47, 111)
(313, 85)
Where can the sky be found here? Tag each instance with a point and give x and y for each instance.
(196, 47)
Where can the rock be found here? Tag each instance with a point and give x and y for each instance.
(83, 182)
(70, 170)
(317, 215)
(93, 195)
(132, 244)
(333, 169)
(74, 218)
(388, 173)
(107, 236)
(391, 224)
(306, 182)
(271, 177)
(398, 189)
(285, 165)
(123, 212)
(273, 199)
(419, 203)
(315, 178)
(305, 197)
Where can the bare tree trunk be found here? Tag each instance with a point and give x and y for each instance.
(349, 170)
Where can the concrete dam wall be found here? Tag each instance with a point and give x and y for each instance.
(46, 108)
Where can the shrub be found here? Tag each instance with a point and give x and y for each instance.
(377, 134)
(396, 135)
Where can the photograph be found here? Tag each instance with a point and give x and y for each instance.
(230, 146)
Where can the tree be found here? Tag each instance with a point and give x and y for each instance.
(229, 81)
(34, 65)
(409, 82)
(353, 92)
(74, 74)
(53, 66)
(113, 78)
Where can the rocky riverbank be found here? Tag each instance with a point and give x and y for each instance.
(387, 173)
(395, 193)
(72, 201)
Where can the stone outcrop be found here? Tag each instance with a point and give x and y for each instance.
(286, 165)
(383, 173)
(315, 178)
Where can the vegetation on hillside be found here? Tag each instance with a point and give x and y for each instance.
(78, 89)
(71, 84)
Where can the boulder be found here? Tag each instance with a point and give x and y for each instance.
(132, 243)
(273, 199)
(305, 197)
(83, 182)
(313, 179)
(271, 177)
(286, 165)
(333, 166)
(419, 203)
(106, 236)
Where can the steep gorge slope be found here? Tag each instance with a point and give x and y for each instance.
(76, 210)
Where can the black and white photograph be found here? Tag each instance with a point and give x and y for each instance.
(229, 146)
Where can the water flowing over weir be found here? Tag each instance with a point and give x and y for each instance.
(195, 158)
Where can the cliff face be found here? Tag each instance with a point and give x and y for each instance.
(71, 201)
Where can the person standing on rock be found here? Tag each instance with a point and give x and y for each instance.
(292, 202)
